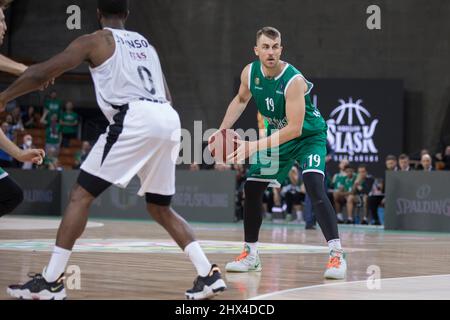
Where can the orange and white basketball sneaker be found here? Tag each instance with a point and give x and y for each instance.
(337, 265)
(246, 262)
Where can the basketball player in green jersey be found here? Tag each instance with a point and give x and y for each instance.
(296, 132)
(11, 195)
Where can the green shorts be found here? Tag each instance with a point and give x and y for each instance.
(273, 165)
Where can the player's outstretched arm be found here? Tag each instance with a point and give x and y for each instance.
(295, 113)
(40, 74)
(10, 66)
(239, 103)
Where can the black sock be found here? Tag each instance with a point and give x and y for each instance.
(323, 210)
(253, 209)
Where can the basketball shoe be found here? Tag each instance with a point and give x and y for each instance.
(207, 287)
(246, 262)
(38, 289)
(337, 265)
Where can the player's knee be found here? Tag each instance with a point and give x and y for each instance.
(159, 213)
(80, 196)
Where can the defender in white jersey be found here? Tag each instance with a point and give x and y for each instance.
(142, 139)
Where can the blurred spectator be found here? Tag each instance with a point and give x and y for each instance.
(342, 189)
(391, 163)
(292, 195)
(53, 134)
(271, 202)
(6, 160)
(360, 193)
(403, 162)
(426, 162)
(340, 176)
(29, 118)
(444, 159)
(69, 123)
(26, 145)
(81, 155)
(52, 106)
(51, 159)
(16, 113)
(376, 196)
(13, 126)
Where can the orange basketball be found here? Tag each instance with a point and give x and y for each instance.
(222, 144)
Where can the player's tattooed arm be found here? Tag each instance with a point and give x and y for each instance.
(36, 76)
(239, 103)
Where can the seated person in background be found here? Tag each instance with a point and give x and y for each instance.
(291, 194)
(16, 114)
(444, 158)
(403, 162)
(340, 176)
(376, 196)
(81, 155)
(29, 119)
(69, 124)
(13, 127)
(53, 134)
(51, 159)
(27, 145)
(426, 162)
(391, 163)
(360, 193)
(342, 191)
(271, 202)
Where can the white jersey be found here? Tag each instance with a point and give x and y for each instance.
(132, 73)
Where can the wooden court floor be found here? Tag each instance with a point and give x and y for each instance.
(137, 260)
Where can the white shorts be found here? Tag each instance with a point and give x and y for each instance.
(144, 140)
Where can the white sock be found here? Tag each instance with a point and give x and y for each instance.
(57, 264)
(198, 258)
(334, 244)
(253, 248)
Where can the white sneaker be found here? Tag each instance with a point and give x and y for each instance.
(337, 266)
(245, 262)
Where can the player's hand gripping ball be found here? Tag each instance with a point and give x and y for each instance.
(222, 144)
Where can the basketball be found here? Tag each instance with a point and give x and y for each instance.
(222, 144)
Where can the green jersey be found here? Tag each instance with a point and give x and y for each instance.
(308, 150)
(52, 134)
(270, 99)
(70, 118)
(53, 107)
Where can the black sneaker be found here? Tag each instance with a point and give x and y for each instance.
(207, 287)
(38, 289)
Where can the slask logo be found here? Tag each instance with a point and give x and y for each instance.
(350, 132)
(422, 204)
